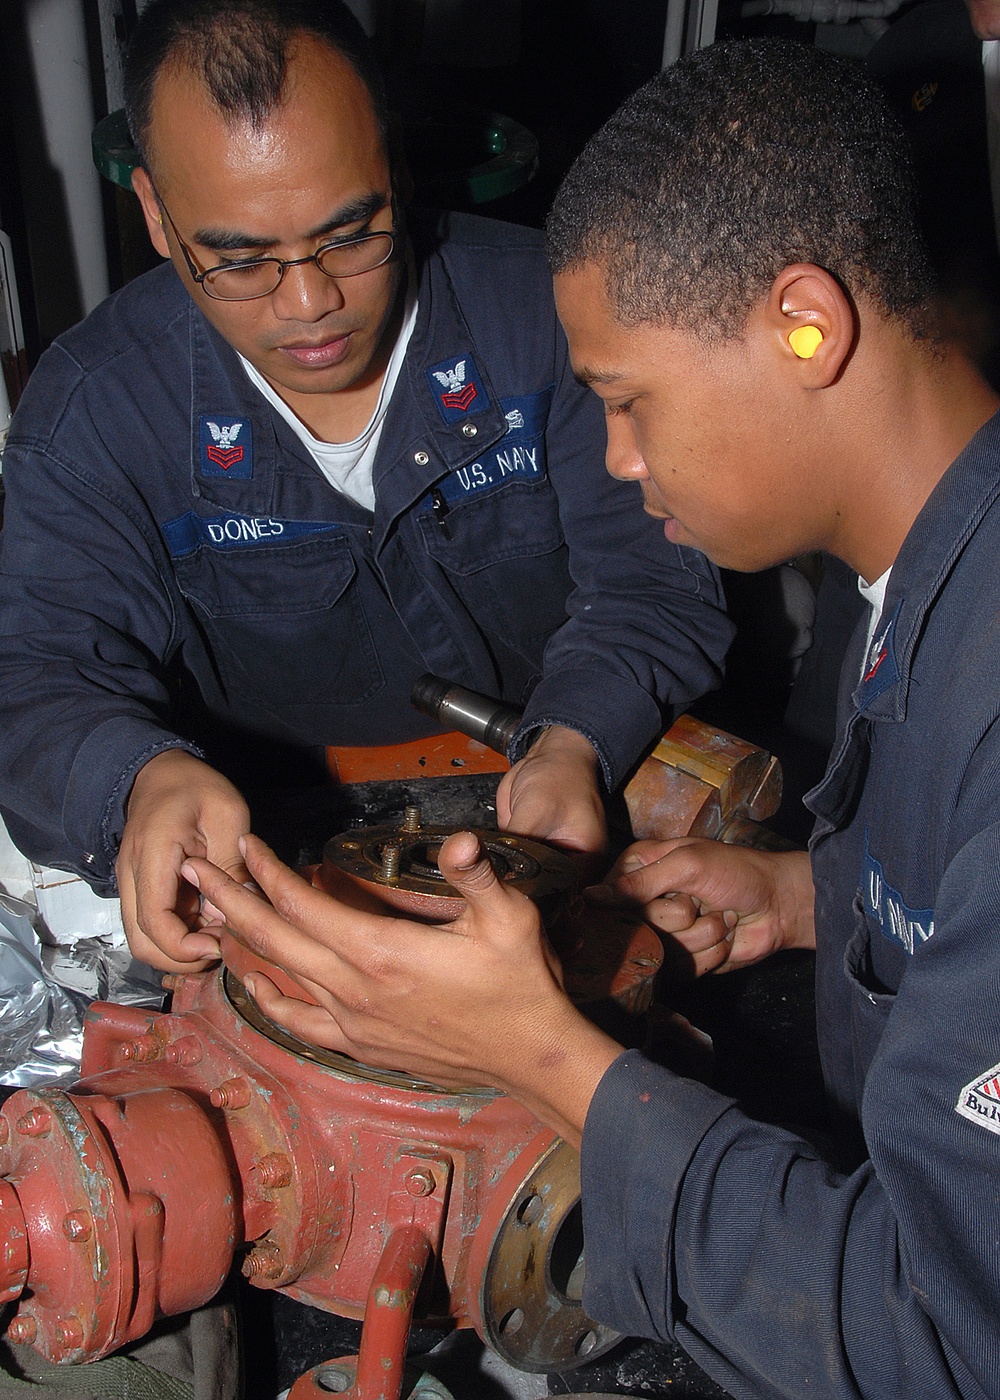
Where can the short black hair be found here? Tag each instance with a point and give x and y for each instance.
(741, 159)
(240, 48)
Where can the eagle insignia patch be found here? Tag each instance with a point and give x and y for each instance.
(226, 447)
(457, 387)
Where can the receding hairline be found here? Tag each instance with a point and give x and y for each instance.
(183, 62)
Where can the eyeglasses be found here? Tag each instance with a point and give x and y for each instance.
(259, 277)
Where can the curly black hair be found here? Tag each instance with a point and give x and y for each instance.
(739, 160)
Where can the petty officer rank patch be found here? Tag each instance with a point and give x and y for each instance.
(457, 388)
(225, 447)
(979, 1101)
(518, 456)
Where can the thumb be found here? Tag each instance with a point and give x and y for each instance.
(464, 864)
(236, 869)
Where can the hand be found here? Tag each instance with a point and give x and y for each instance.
(720, 907)
(178, 807)
(553, 793)
(474, 1001)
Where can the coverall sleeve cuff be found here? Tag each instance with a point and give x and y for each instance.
(617, 716)
(643, 1128)
(104, 769)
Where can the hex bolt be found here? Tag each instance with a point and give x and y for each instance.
(263, 1261)
(184, 1051)
(78, 1226)
(69, 1332)
(390, 861)
(37, 1122)
(420, 1182)
(144, 1047)
(170, 981)
(23, 1331)
(234, 1093)
(273, 1171)
(411, 819)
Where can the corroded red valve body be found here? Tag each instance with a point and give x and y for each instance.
(133, 1192)
(206, 1133)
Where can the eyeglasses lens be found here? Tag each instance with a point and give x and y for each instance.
(261, 277)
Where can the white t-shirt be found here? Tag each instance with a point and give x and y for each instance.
(348, 466)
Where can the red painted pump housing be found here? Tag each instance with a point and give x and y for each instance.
(206, 1134)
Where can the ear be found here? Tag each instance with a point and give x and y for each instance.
(813, 323)
(152, 212)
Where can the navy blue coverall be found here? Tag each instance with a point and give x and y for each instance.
(170, 546)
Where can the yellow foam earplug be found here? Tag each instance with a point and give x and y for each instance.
(805, 340)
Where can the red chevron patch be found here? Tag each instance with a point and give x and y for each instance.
(460, 400)
(225, 457)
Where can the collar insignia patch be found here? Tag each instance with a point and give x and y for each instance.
(226, 447)
(979, 1101)
(457, 387)
(881, 670)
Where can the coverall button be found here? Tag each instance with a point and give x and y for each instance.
(421, 458)
(469, 430)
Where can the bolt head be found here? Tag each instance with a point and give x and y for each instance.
(234, 1093)
(37, 1122)
(23, 1331)
(420, 1182)
(69, 1333)
(184, 1051)
(263, 1261)
(273, 1171)
(78, 1226)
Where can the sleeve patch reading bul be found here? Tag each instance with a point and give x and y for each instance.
(979, 1101)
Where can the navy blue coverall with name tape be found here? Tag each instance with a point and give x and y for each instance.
(168, 537)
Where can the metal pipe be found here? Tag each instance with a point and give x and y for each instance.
(673, 34)
(821, 11)
(60, 64)
(480, 716)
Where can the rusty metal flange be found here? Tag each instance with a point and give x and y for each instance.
(529, 1255)
(400, 864)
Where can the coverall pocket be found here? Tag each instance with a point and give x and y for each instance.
(285, 626)
(506, 557)
(871, 1004)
